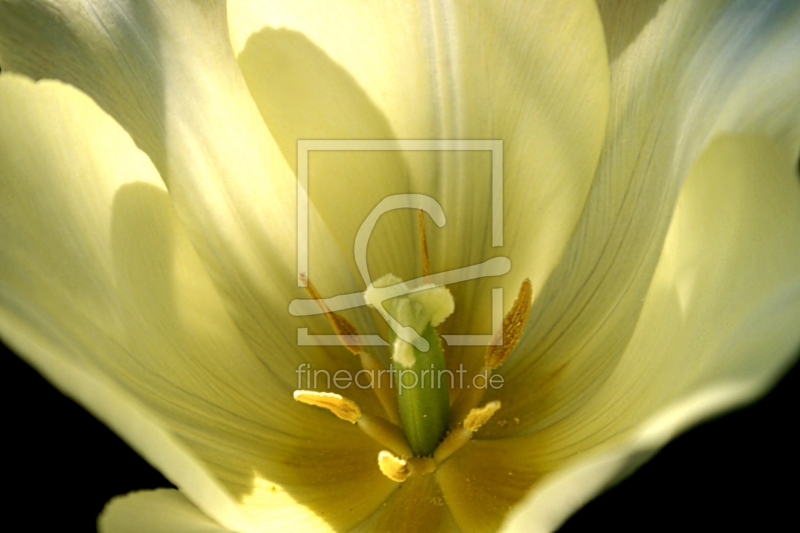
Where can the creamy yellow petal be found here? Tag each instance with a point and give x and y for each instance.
(303, 94)
(696, 72)
(417, 505)
(103, 293)
(548, 506)
(155, 511)
(108, 50)
(485, 479)
(532, 74)
(165, 71)
(720, 323)
(727, 277)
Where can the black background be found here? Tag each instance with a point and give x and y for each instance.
(737, 472)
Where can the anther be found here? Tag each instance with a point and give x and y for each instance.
(379, 429)
(503, 343)
(423, 246)
(345, 330)
(399, 470)
(479, 416)
(348, 336)
(511, 331)
(393, 467)
(335, 403)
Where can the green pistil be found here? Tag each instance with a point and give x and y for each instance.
(420, 377)
(422, 395)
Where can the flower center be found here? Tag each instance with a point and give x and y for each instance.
(413, 393)
(423, 399)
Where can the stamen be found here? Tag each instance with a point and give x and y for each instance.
(423, 246)
(347, 332)
(496, 355)
(335, 403)
(457, 438)
(399, 470)
(421, 466)
(513, 323)
(479, 416)
(452, 443)
(386, 434)
(379, 429)
(382, 386)
(348, 336)
(469, 398)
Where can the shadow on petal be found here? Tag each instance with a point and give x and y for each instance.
(303, 94)
(624, 22)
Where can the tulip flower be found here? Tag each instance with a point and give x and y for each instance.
(149, 221)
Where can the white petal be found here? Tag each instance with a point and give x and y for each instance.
(531, 74)
(105, 49)
(102, 292)
(723, 305)
(166, 72)
(696, 72)
(548, 506)
(156, 511)
(720, 323)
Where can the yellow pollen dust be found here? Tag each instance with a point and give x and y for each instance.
(513, 323)
(335, 403)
